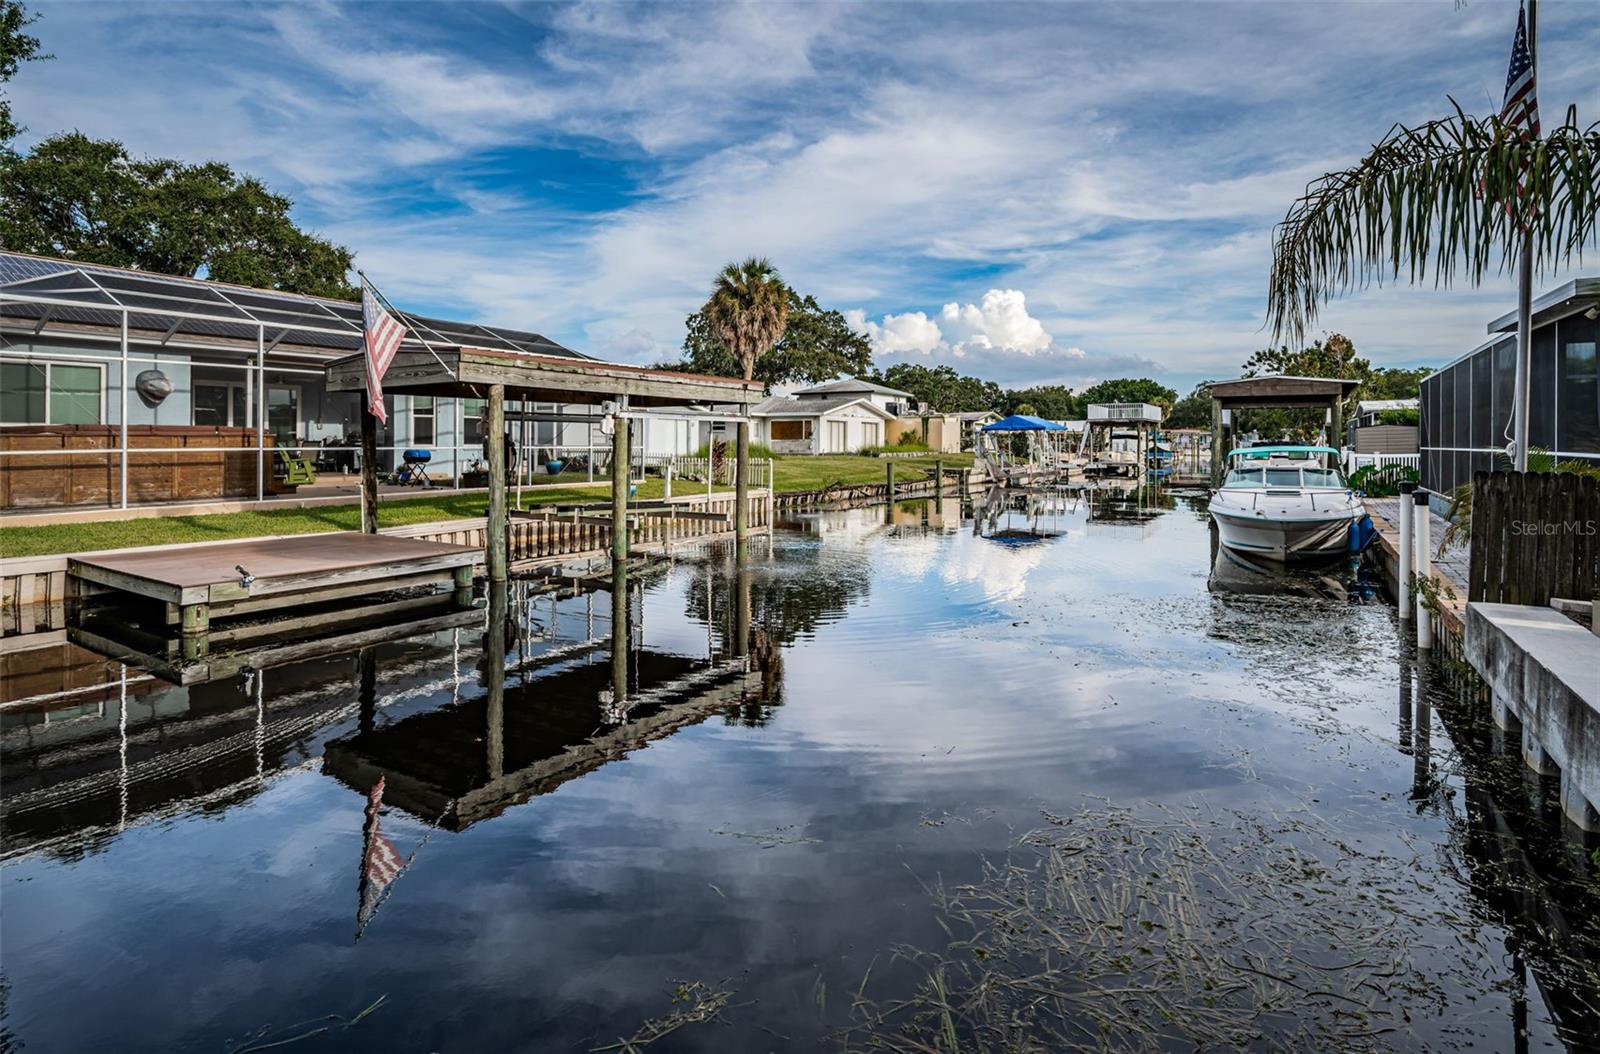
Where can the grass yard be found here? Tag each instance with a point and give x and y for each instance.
(793, 473)
(814, 473)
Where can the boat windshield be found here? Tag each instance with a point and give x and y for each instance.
(1283, 477)
(1243, 477)
(1324, 477)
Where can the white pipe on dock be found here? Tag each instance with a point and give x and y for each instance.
(1424, 563)
(1407, 545)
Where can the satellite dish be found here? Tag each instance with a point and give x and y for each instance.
(153, 387)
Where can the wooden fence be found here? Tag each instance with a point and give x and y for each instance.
(548, 536)
(1535, 535)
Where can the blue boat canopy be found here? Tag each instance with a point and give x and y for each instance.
(1024, 423)
(1268, 451)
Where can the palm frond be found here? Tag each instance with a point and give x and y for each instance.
(1443, 196)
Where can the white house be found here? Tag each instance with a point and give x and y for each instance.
(838, 417)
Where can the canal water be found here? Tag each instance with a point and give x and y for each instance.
(1051, 773)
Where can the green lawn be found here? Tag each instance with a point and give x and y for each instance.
(794, 473)
(814, 473)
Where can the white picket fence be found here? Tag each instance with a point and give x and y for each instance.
(1353, 460)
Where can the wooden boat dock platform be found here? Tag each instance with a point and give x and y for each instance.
(202, 582)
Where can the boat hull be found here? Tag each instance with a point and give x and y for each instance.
(1284, 539)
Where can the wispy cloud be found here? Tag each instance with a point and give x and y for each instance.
(1090, 189)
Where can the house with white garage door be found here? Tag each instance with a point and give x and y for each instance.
(839, 417)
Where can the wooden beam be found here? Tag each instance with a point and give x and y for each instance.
(369, 472)
(741, 487)
(620, 466)
(1218, 450)
(494, 536)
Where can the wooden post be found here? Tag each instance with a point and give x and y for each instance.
(494, 655)
(1217, 451)
(619, 623)
(369, 472)
(741, 487)
(621, 460)
(938, 479)
(494, 535)
(889, 484)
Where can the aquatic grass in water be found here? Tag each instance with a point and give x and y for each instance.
(1167, 928)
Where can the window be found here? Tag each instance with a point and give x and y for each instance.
(283, 413)
(791, 430)
(1323, 477)
(221, 403)
(1243, 477)
(1579, 411)
(54, 393)
(422, 430)
(473, 412)
(1283, 477)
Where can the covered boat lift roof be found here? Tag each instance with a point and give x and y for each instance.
(471, 371)
(1274, 391)
(1024, 423)
(493, 375)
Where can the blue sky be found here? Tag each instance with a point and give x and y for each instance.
(1033, 193)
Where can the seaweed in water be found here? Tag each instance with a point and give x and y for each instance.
(1177, 928)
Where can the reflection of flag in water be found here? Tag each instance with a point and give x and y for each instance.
(381, 863)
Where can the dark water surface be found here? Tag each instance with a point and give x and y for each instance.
(181, 865)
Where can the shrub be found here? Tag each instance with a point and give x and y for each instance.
(1383, 482)
(1407, 416)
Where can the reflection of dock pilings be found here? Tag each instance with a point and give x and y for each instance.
(1525, 862)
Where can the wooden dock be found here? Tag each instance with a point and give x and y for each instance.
(200, 583)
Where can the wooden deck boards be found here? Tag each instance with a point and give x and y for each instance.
(269, 557)
(306, 563)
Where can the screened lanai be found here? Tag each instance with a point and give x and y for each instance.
(124, 388)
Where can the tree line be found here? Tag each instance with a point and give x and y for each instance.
(80, 198)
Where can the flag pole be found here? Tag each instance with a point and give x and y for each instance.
(1520, 399)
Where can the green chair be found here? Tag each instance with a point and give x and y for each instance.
(295, 471)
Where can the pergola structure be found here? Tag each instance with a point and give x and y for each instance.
(623, 393)
(1270, 393)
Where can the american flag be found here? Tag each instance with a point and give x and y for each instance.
(1521, 107)
(381, 862)
(383, 336)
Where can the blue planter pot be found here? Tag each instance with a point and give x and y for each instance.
(553, 467)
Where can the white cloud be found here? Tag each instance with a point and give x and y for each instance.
(999, 323)
(913, 331)
(878, 153)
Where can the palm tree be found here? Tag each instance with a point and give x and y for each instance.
(748, 310)
(1446, 193)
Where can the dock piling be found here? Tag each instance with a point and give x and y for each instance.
(620, 463)
(1420, 528)
(741, 486)
(1407, 545)
(495, 534)
(890, 486)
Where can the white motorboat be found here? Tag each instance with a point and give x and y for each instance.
(1285, 503)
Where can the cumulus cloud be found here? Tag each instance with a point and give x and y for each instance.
(999, 324)
(913, 331)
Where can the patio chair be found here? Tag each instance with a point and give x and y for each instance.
(294, 470)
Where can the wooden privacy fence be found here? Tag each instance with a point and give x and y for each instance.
(545, 534)
(1535, 535)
